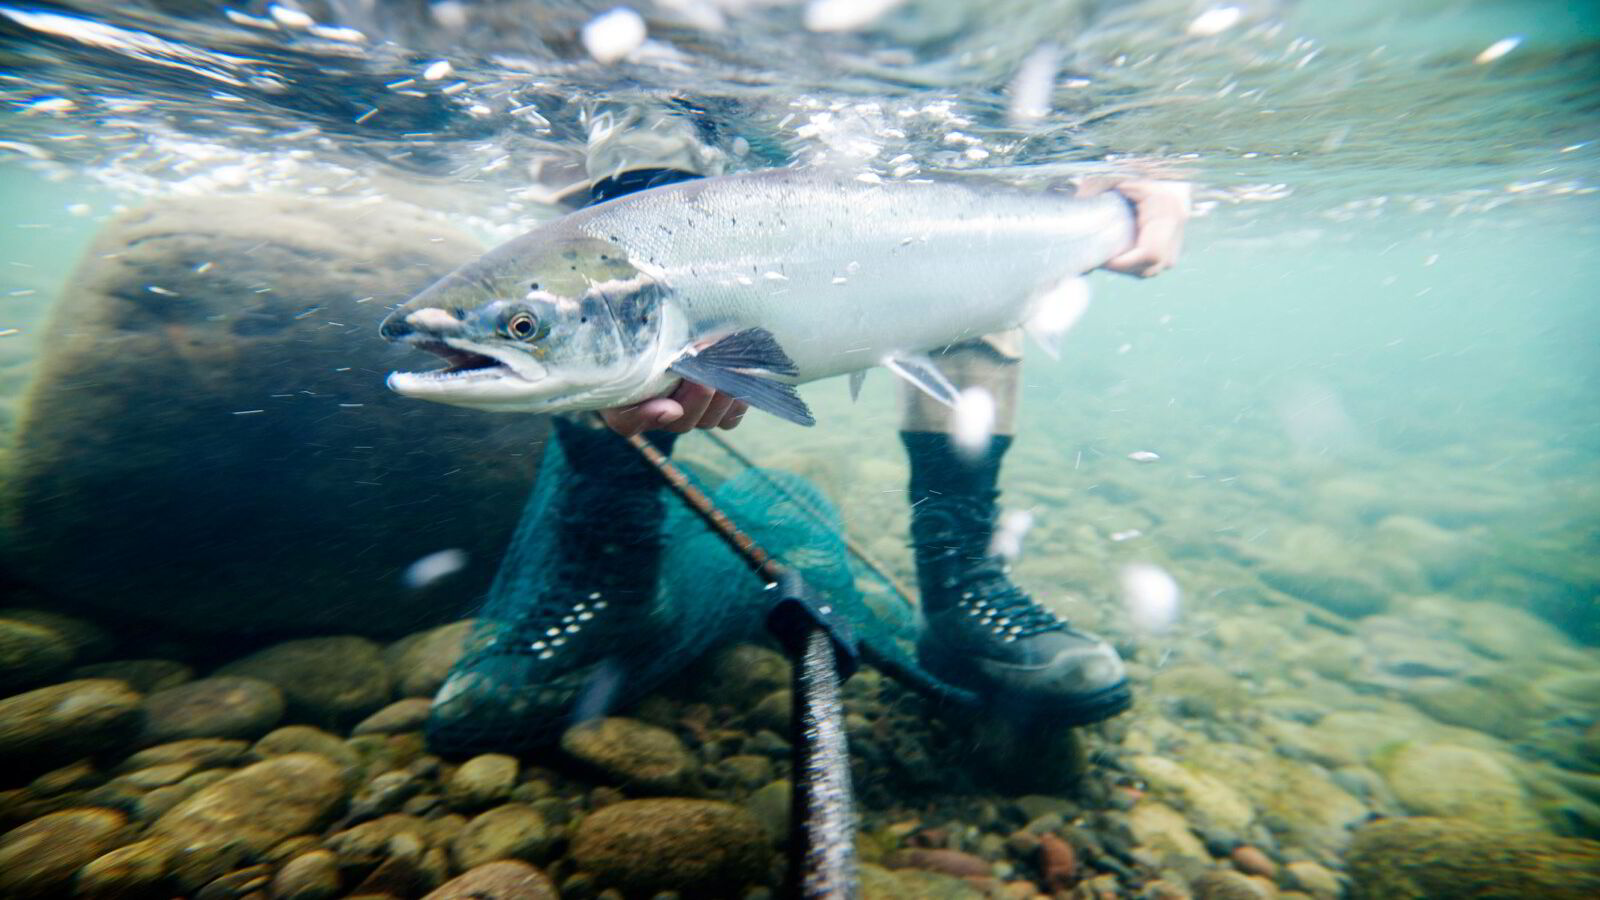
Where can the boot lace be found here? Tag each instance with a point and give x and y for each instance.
(988, 588)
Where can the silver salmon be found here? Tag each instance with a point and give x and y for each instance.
(751, 284)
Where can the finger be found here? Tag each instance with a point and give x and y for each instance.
(626, 420)
(734, 416)
(1094, 185)
(693, 399)
(716, 410)
(1159, 239)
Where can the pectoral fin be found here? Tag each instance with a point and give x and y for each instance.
(746, 365)
(920, 371)
(1055, 312)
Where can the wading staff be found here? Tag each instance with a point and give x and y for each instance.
(822, 856)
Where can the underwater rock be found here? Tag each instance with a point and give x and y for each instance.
(774, 712)
(245, 814)
(1508, 632)
(746, 770)
(385, 793)
(422, 661)
(143, 675)
(221, 707)
(331, 682)
(1252, 861)
(1058, 863)
(513, 831)
(135, 870)
(214, 366)
(741, 675)
(504, 880)
(632, 754)
(1314, 879)
(309, 876)
(1161, 830)
(482, 780)
(948, 862)
(770, 805)
(368, 843)
(878, 883)
(1199, 690)
(1348, 595)
(38, 859)
(44, 728)
(1456, 859)
(1300, 802)
(30, 654)
(305, 739)
(1444, 556)
(1206, 796)
(697, 847)
(1220, 884)
(1450, 780)
(88, 641)
(409, 714)
(1502, 707)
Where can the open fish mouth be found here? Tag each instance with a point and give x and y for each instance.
(461, 363)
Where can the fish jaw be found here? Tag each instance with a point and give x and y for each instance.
(480, 376)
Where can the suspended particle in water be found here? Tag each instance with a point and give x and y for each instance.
(973, 427)
(1151, 596)
(449, 14)
(433, 567)
(1144, 456)
(1009, 532)
(438, 69)
(1033, 84)
(610, 37)
(1215, 21)
(1057, 310)
(846, 15)
(289, 17)
(1498, 49)
(52, 105)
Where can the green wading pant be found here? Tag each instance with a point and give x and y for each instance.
(993, 362)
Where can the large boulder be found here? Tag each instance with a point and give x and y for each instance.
(696, 847)
(243, 815)
(48, 727)
(1444, 859)
(208, 445)
(39, 858)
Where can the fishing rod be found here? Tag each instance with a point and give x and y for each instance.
(822, 856)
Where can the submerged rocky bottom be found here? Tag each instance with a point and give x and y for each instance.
(300, 772)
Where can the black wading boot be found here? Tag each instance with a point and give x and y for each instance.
(572, 626)
(983, 632)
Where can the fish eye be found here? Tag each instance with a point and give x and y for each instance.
(522, 326)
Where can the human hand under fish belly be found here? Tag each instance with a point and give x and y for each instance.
(680, 307)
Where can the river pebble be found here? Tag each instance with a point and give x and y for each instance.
(505, 880)
(39, 859)
(697, 847)
(220, 707)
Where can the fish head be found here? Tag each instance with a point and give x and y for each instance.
(541, 324)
